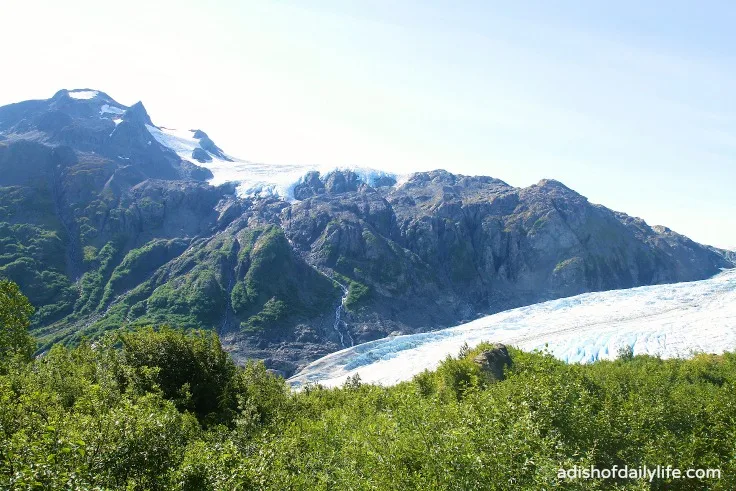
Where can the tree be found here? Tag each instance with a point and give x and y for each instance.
(15, 314)
(190, 368)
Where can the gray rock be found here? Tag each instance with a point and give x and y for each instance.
(275, 372)
(137, 114)
(201, 156)
(310, 185)
(493, 362)
(341, 182)
(384, 181)
(206, 143)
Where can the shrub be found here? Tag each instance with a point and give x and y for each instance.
(15, 314)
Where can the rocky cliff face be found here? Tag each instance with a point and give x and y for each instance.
(441, 248)
(104, 227)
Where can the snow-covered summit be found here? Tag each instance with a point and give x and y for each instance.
(195, 146)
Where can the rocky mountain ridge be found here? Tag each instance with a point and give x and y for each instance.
(104, 226)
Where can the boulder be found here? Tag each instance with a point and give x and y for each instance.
(493, 361)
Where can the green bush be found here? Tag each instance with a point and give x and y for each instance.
(168, 409)
(357, 293)
(190, 369)
(15, 314)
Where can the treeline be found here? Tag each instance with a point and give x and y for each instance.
(167, 409)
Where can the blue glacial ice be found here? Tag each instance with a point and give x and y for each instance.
(675, 320)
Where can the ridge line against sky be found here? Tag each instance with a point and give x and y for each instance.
(631, 105)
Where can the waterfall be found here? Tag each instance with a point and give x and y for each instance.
(232, 265)
(340, 307)
(227, 305)
(338, 317)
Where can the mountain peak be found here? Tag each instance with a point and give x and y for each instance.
(552, 184)
(137, 114)
(82, 95)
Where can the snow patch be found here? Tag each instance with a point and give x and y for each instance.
(108, 109)
(181, 142)
(673, 320)
(83, 94)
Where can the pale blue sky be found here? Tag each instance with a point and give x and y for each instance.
(630, 103)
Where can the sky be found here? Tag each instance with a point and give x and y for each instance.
(630, 103)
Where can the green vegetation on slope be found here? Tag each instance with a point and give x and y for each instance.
(272, 286)
(357, 293)
(168, 409)
(33, 257)
(186, 282)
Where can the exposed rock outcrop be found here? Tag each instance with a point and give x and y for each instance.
(493, 362)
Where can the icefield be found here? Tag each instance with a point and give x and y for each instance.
(252, 178)
(675, 320)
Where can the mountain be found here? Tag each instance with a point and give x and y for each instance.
(107, 220)
(674, 320)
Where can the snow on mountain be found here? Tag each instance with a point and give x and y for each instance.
(674, 320)
(181, 142)
(83, 94)
(254, 179)
(108, 109)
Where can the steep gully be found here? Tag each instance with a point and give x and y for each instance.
(338, 316)
(230, 267)
(341, 333)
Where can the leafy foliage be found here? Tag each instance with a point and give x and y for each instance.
(357, 293)
(15, 313)
(168, 409)
(190, 369)
(92, 283)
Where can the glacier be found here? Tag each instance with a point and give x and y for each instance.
(252, 178)
(671, 320)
